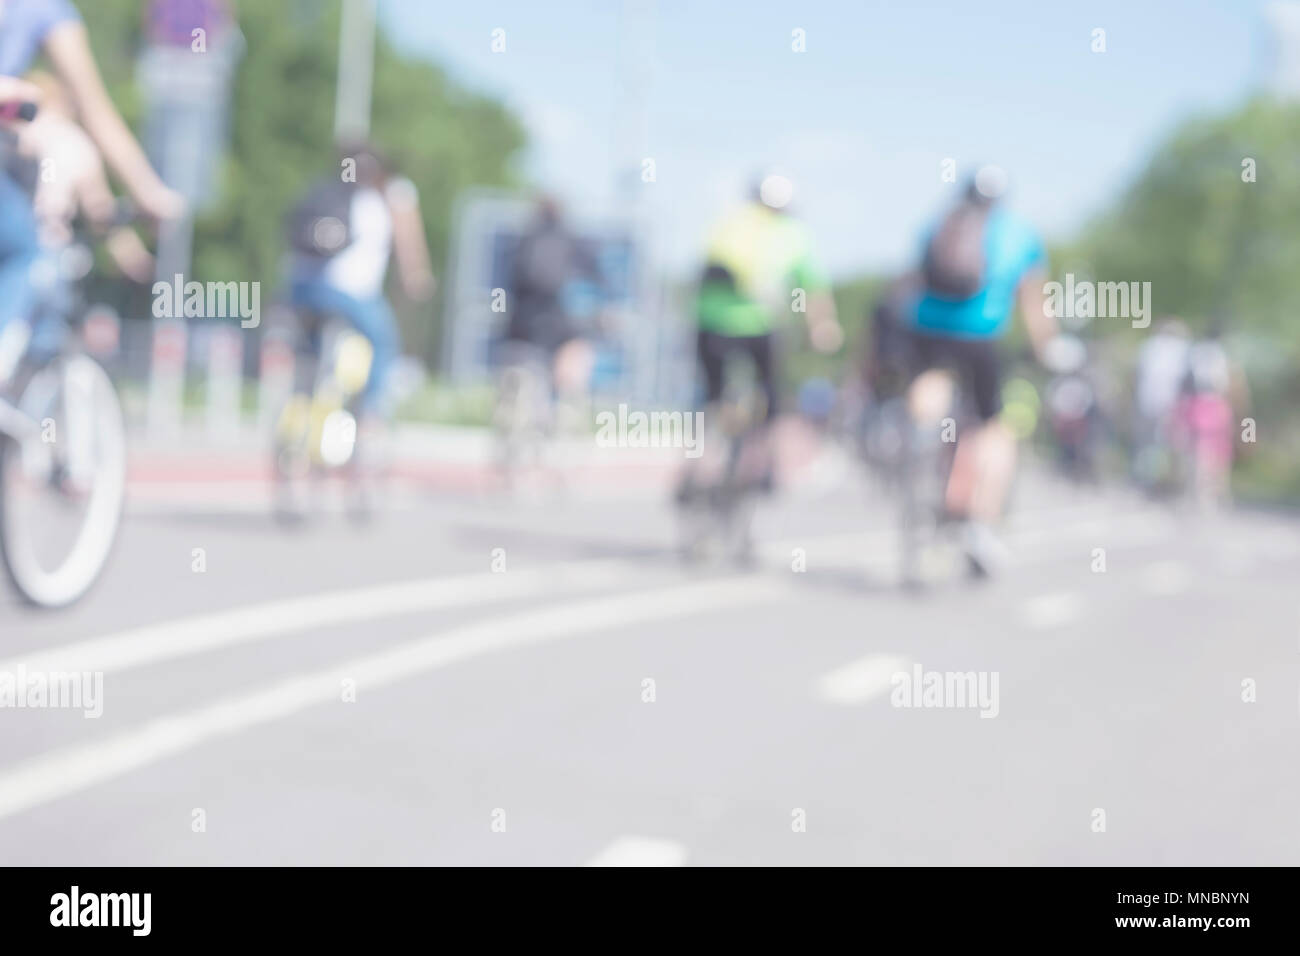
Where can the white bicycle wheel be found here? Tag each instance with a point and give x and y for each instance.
(61, 492)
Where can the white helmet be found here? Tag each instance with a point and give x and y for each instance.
(989, 184)
(775, 191)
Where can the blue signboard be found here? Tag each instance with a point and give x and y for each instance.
(584, 299)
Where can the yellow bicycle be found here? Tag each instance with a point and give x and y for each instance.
(316, 433)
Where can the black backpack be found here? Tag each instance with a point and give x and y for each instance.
(320, 224)
(954, 260)
(543, 263)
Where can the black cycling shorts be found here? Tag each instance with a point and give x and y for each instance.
(714, 350)
(549, 329)
(975, 361)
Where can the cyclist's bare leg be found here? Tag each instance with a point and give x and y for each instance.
(983, 467)
(930, 397)
(572, 367)
(757, 463)
(571, 372)
(704, 470)
(984, 460)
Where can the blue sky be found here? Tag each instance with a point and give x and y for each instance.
(861, 121)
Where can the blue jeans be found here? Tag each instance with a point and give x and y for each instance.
(373, 318)
(19, 249)
(51, 304)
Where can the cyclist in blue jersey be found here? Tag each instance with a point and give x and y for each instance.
(978, 263)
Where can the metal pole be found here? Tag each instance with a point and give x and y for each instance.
(356, 70)
(636, 67)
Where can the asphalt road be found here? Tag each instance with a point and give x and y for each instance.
(480, 680)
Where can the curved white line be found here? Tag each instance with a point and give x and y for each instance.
(63, 772)
(183, 637)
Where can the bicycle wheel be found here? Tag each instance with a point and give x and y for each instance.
(910, 529)
(61, 492)
(291, 460)
(519, 419)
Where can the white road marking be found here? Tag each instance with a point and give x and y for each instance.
(640, 851)
(186, 636)
(196, 634)
(59, 773)
(1051, 610)
(863, 679)
(182, 637)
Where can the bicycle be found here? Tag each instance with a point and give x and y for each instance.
(316, 432)
(929, 450)
(522, 422)
(1201, 436)
(536, 409)
(925, 454)
(62, 451)
(717, 516)
(1077, 422)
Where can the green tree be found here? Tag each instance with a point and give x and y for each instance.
(1211, 223)
(281, 134)
(1212, 243)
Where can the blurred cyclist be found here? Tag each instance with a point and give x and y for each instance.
(1161, 365)
(343, 233)
(54, 28)
(885, 360)
(758, 268)
(1203, 417)
(549, 259)
(69, 183)
(976, 264)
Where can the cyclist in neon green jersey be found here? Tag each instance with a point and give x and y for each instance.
(759, 269)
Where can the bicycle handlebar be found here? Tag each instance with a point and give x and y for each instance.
(17, 110)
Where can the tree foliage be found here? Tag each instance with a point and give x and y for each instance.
(442, 136)
(1213, 244)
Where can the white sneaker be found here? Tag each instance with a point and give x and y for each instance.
(984, 549)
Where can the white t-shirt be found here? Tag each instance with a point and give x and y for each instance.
(359, 269)
(1162, 363)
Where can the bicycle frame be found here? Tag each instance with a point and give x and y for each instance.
(16, 424)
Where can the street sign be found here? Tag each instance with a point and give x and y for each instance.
(185, 74)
